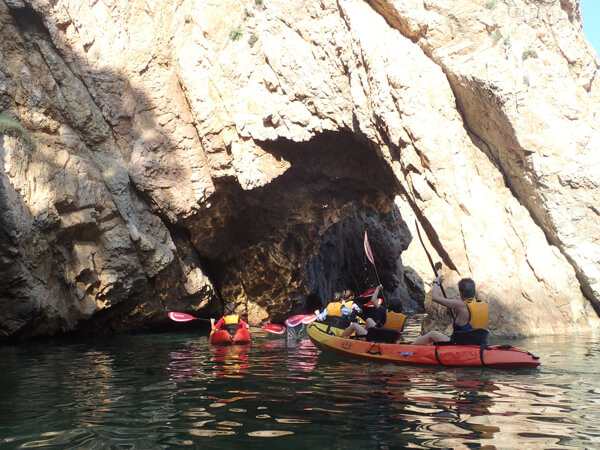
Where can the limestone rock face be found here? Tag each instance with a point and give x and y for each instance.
(165, 156)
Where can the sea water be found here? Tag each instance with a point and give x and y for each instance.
(176, 391)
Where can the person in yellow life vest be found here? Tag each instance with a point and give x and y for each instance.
(342, 305)
(229, 318)
(381, 317)
(479, 313)
(467, 314)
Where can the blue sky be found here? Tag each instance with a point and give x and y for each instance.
(590, 13)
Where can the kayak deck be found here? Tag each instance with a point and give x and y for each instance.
(224, 337)
(496, 356)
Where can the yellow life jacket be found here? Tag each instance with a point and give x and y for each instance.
(232, 318)
(395, 321)
(335, 308)
(479, 313)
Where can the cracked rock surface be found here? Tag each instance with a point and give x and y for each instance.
(176, 156)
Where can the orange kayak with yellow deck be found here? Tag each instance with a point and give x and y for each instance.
(495, 356)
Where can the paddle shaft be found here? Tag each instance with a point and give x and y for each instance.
(183, 317)
(374, 267)
(429, 257)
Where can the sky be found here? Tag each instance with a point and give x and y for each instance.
(590, 14)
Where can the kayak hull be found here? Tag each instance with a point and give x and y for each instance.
(495, 356)
(223, 337)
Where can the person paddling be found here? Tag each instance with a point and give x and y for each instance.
(460, 311)
(229, 318)
(381, 317)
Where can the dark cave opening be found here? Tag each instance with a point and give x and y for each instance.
(301, 236)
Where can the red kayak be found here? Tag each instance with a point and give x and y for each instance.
(231, 334)
(495, 356)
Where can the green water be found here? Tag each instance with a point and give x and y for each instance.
(176, 391)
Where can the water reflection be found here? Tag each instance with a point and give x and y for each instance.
(230, 361)
(175, 391)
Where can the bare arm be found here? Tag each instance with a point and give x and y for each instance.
(374, 296)
(322, 314)
(436, 296)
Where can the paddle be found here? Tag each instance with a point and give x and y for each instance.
(298, 319)
(371, 258)
(435, 267)
(305, 319)
(367, 294)
(273, 328)
(183, 317)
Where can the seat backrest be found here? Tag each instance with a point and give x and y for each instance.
(386, 335)
(231, 328)
(475, 336)
(337, 322)
(395, 321)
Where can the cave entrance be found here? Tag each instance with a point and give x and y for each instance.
(302, 233)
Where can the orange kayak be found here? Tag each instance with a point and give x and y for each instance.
(495, 356)
(230, 335)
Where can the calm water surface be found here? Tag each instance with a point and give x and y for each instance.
(176, 391)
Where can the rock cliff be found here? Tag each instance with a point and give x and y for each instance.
(179, 155)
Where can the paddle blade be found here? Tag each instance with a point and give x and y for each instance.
(309, 319)
(274, 328)
(368, 292)
(368, 250)
(296, 320)
(369, 304)
(180, 317)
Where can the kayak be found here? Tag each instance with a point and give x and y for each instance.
(230, 335)
(495, 356)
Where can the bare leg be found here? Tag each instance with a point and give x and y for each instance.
(354, 327)
(430, 338)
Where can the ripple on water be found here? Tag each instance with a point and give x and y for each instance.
(292, 420)
(211, 433)
(269, 433)
(230, 424)
(176, 390)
